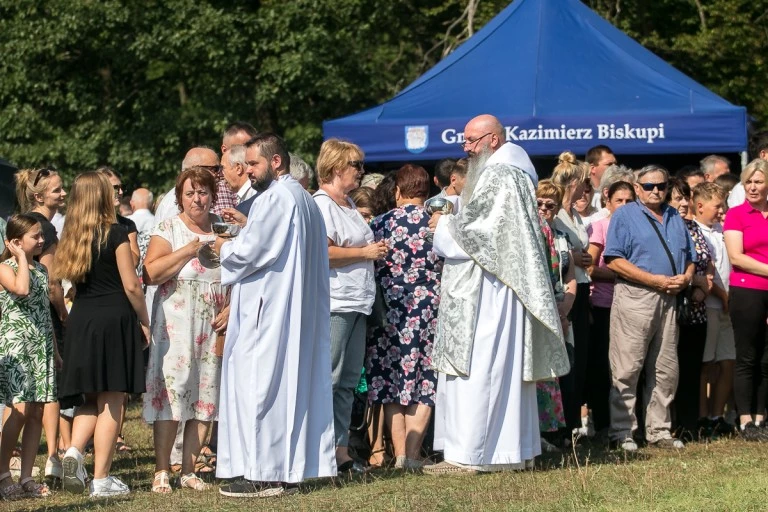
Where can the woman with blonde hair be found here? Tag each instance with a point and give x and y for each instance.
(107, 330)
(40, 193)
(573, 176)
(351, 251)
(746, 240)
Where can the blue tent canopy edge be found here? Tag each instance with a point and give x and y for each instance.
(558, 76)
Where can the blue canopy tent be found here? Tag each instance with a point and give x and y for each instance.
(558, 76)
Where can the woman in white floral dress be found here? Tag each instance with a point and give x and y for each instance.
(184, 370)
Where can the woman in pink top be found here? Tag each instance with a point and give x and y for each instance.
(598, 371)
(746, 240)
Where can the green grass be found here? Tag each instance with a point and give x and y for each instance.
(720, 476)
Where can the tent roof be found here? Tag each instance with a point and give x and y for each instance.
(552, 65)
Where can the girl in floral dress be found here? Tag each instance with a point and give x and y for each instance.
(399, 352)
(27, 352)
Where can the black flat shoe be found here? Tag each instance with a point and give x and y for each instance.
(352, 467)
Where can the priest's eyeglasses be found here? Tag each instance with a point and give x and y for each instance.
(472, 142)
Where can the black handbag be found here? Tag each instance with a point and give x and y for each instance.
(684, 303)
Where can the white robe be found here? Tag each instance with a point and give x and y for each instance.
(489, 420)
(276, 411)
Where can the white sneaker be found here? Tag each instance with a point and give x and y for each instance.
(73, 471)
(628, 445)
(107, 487)
(53, 468)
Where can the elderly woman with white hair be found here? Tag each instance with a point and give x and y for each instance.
(613, 174)
(301, 171)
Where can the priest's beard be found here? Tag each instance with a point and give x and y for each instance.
(262, 184)
(475, 166)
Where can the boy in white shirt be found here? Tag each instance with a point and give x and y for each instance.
(719, 350)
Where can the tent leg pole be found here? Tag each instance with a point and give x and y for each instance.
(744, 159)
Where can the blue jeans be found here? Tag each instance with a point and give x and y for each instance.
(347, 359)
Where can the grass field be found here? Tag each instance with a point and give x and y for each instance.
(720, 476)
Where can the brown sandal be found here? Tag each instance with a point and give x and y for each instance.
(12, 491)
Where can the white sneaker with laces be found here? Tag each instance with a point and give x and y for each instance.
(73, 471)
(108, 487)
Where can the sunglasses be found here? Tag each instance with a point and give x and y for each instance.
(212, 168)
(547, 205)
(42, 173)
(648, 187)
(118, 188)
(357, 164)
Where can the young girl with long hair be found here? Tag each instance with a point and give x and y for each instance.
(27, 352)
(107, 330)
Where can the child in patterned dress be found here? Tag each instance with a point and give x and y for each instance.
(27, 352)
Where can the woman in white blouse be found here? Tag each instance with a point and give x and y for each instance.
(351, 251)
(573, 176)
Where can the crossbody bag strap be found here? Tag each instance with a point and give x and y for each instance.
(663, 243)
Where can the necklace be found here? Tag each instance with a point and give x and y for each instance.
(331, 193)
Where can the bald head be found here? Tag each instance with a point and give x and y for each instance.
(483, 132)
(203, 157)
(141, 199)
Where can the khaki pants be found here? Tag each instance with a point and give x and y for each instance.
(643, 335)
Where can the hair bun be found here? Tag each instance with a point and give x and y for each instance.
(566, 157)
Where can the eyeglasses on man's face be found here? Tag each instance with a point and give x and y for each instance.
(212, 168)
(472, 142)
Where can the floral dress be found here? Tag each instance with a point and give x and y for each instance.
(399, 348)
(27, 366)
(699, 309)
(548, 395)
(184, 372)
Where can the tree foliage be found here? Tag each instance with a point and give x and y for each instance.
(135, 84)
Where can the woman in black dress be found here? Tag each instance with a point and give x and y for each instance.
(104, 340)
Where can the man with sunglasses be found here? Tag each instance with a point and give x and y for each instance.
(498, 326)
(650, 250)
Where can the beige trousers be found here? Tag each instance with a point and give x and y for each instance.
(643, 335)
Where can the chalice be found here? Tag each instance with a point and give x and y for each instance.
(434, 205)
(208, 257)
